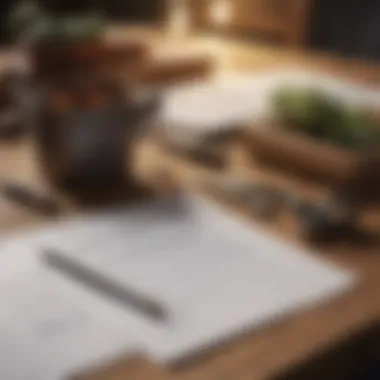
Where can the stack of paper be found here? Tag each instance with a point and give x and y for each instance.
(215, 276)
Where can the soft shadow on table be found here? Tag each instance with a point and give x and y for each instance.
(349, 360)
(365, 238)
(109, 196)
(354, 237)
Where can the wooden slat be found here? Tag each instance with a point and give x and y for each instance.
(290, 22)
(297, 30)
(125, 369)
(167, 72)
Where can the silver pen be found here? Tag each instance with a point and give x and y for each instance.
(121, 294)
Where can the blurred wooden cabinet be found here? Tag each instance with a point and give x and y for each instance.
(286, 19)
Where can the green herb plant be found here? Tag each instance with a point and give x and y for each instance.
(323, 117)
(31, 24)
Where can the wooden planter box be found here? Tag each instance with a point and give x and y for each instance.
(300, 154)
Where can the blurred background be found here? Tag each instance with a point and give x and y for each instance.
(347, 27)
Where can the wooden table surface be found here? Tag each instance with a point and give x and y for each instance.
(305, 336)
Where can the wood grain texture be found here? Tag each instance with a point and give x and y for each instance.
(133, 368)
(301, 155)
(298, 28)
(287, 19)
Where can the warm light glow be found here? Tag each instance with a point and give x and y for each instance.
(179, 17)
(221, 12)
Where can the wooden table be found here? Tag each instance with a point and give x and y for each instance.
(318, 337)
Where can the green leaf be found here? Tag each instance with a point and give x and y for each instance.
(31, 24)
(45, 30)
(24, 15)
(82, 28)
(324, 118)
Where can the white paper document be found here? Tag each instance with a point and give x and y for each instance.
(215, 275)
(51, 328)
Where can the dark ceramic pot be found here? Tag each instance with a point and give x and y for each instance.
(85, 136)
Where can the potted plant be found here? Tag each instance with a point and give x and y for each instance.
(316, 134)
(66, 36)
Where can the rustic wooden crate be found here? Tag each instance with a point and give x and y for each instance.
(300, 154)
